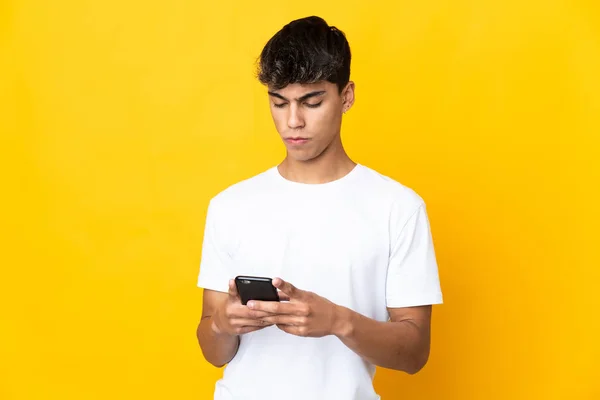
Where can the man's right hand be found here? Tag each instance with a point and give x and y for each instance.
(233, 318)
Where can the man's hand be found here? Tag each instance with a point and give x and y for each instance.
(306, 314)
(233, 318)
(402, 343)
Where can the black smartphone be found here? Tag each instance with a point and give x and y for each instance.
(256, 288)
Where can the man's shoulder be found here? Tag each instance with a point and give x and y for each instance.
(243, 190)
(389, 189)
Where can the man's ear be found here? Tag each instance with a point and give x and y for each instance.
(348, 96)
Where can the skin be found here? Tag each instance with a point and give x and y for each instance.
(314, 112)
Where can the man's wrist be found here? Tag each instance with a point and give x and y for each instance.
(215, 329)
(343, 322)
(213, 326)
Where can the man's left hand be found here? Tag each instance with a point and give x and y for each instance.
(306, 313)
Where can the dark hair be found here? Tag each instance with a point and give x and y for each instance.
(306, 50)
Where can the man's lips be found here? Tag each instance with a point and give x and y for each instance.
(296, 140)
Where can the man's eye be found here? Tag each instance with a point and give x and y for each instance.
(281, 105)
(313, 105)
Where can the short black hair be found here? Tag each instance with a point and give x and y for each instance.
(306, 50)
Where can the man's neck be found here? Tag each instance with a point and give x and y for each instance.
(323, 169)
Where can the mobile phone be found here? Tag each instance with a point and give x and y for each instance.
(256, 288)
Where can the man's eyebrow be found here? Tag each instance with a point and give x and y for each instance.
(302, 98)
(277, 95)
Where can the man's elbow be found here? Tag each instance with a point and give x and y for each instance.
(417, 362)
(215, 363)
(208, 353)
(212, 357)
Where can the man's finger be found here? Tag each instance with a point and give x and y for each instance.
(239, 311)
(283, 320)
(286, 288)
(232, 288)
(291, 329)
(247, 313)
(272, 307)
(242, 322)
(283, 296)
(248, 329)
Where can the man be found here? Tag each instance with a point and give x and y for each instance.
(349, 249)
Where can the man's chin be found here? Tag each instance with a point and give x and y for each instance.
(301, 156)
(304, 153)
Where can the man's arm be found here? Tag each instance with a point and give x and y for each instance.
(217, 348)
(402, 343)
(224, 319)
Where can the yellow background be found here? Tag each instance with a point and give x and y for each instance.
(120, 119)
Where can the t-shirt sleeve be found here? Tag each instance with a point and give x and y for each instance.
(215, 260)
(412, 277)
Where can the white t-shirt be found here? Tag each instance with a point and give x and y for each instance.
(362, 241)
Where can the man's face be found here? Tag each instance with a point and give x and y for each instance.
(308, 117)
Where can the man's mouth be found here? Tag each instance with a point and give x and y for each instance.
(296, 140)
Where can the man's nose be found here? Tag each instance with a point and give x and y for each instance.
(295, 119)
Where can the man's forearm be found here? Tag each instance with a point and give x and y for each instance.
(395, 345)
(218, 349)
